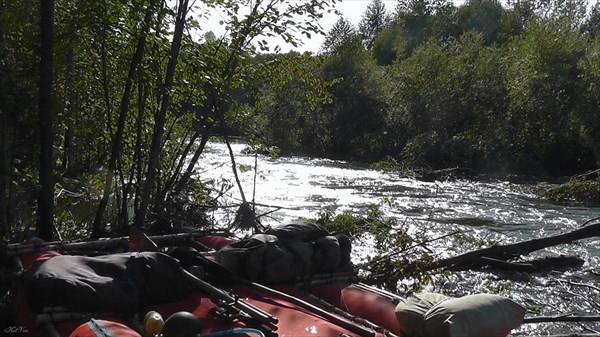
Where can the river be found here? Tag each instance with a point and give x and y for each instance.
(488, 210)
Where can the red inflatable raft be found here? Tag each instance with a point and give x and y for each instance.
(215, 305)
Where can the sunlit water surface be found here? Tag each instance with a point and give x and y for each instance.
(300, 187)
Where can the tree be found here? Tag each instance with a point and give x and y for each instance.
(160, 116)
(4, 162)
(210, 36)
(45, 223)
(542, 76)
(587, 110)
(415, 22)
(373, 21)
(137, 110)
(342, 32)
(289, 107)
(357, 114)
(19, 102)
(117, 141)
(416, 19)
(483, 16)
(515, 18)
(389, 44)
(445, 97)
(591, 27)
(563, 14)
(422, 19)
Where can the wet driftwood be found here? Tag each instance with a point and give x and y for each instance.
(448, 174)
(500, 255)
(548, 263)
(562, 318)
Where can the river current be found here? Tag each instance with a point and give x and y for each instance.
(491, 210)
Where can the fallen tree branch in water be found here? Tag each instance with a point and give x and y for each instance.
(509, 251)
(593, 334)
(533, 266)
(578, 284)
(403, 250)
(562, 318)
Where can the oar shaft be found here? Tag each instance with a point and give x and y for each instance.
(358, 329)
(221, 295)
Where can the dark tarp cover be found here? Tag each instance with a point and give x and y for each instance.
(297, 231)
(287, 252)
(116, 283)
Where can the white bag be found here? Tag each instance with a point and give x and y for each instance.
(474, 316)
(411, 312)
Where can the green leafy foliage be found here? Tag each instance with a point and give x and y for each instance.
(396, 254)
(482, 16)
(374, 223)
(584, 188)
(356, 116)
(389, 44)
(542, 76)
(387, 164)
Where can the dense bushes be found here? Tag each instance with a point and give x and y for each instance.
(481, 86)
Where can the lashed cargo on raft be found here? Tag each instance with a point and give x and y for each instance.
(295, 279)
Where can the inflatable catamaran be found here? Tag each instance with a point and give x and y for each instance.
(296, 279)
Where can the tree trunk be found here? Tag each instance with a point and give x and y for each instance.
(160, 117)
(234, 165)
(135, 175)
(177, 164)
(209, 107)
(483, 256)
(117, 143)
(70, 111)
(4, 156)
(139, 162)
(183, 179)
(45, 220)
(105, 86)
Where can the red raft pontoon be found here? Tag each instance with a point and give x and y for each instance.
(187, 292)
